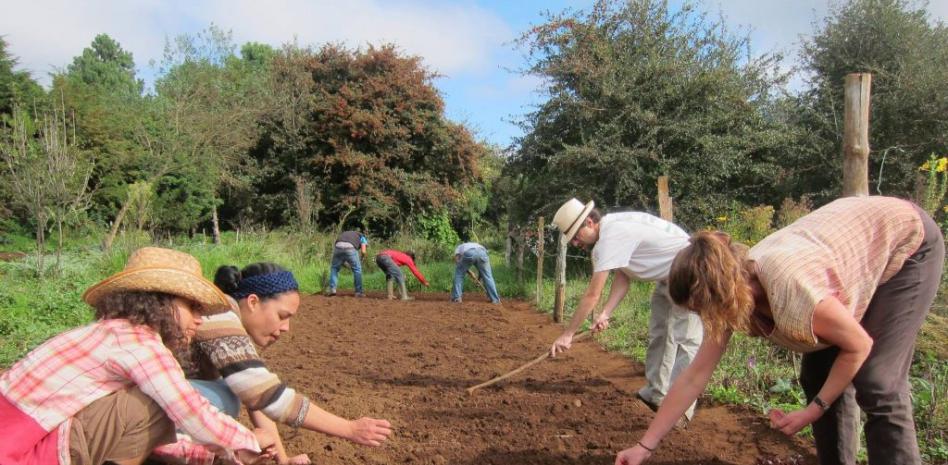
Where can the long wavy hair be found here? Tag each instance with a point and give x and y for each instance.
(712, 278)
(152, 309)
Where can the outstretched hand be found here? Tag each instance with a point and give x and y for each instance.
(634, 455)
(791, 423)
(601, 323)
(561, 344)
(369, 431)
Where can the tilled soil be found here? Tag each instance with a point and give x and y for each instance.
(410, 362)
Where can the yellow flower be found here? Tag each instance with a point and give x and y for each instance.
(924, 167)
(942, 165)
(722, 219)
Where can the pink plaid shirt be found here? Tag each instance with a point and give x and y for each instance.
(44, 390)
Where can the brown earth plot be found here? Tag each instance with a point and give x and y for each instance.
(410, 362)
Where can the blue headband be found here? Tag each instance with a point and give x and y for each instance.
(265, 285)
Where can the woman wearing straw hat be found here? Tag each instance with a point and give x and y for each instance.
(227, 369)
(848, 285)
(638, 246)
(113, 390)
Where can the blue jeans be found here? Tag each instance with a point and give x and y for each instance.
(350, 256)
(219, 395)
(391, 270)
(477, 257)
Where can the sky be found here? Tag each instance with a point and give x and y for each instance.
(469, 43)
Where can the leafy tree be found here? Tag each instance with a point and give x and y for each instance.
(907, 54)
(106, 65)
(16, 87)
(637, 91)
(207, 105)
(101, 87)
(368, 129)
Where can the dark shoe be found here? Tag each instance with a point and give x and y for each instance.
(680, 425)
(360, 294)
(652, 406)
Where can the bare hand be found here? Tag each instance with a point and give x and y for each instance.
(633, 456)
(301, 459)
(601, 323)
(561, 344)
(247, 457)
(369, 431)
(791, 423)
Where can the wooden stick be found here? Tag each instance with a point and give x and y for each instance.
(529, 364)
(477, 280)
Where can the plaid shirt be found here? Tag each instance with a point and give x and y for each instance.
(71, 370)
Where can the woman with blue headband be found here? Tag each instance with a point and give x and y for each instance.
(226, 368)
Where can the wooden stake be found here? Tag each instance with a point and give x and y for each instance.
(560, 301)
(856, 135)
(529, 364)
(539, 260)
(664, 200)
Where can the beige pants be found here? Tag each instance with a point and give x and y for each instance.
(120, 426)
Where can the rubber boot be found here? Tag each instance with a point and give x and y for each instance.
(404, 291)
(390, 287)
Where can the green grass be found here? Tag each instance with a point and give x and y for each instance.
(753, 372)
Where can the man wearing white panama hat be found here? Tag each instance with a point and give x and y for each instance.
(639, 246)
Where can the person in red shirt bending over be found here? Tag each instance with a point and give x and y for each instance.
(390, 262)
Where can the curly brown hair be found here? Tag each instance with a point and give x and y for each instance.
(712, 278)
(152, 309)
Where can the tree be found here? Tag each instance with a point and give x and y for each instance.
(637, 91)
(213, 100)
(367, 128)
(907, 54)
(16, 87)
(101, 86)
(45, 170)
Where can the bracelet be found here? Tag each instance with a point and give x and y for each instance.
(821, 403)
(650, 450)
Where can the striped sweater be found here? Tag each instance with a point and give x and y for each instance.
(222, 348)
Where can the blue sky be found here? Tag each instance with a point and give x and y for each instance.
(468, 42)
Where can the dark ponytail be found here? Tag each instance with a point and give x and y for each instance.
(226, 279)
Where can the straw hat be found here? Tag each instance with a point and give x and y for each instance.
(569, 218)
(152, 269)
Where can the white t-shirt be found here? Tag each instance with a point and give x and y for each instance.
(640, 245)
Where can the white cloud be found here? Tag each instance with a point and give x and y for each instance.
(451, 38)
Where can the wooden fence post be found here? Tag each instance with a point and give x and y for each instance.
(539, 260)
(856, 135)
(560, 301)
(665, 207)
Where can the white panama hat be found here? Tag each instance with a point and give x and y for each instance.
(569, 218)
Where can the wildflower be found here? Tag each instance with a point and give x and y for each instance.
(942, 165)
(722, 219)
(925, 167)
(752, 362)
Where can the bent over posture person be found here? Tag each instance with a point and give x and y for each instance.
(112, 390)
(638, 246)
(848, 285)
(349, 247)
(229, 372)
(473, 254)
(390, 262)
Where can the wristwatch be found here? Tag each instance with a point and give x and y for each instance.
(821, 403)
